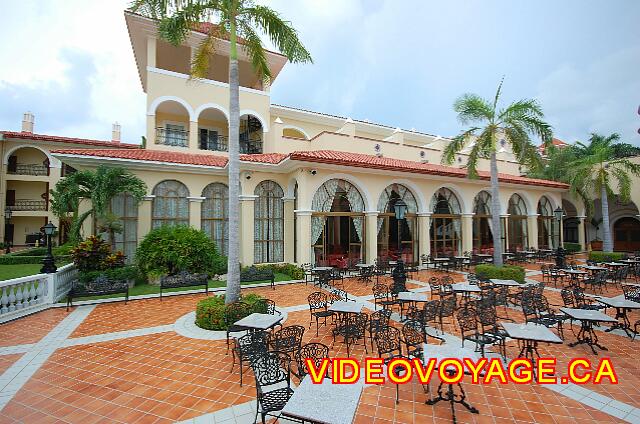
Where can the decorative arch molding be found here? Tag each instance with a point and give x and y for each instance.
(215, 106)
(415, 190)
(291, 187)
(366, 195)
(53, 162)
(531, 206)
(159, 100)
(552, 200)
(465, 207)
(263, 122)
(300, 130)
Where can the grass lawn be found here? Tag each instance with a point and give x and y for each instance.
(8, 272)
(142, 289)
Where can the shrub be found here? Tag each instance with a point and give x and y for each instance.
(129, 272)
(506, 272)
(36, 251)
(292, 270)
(170, 249)
(64, 249)
(598, 256)
(94, 254)
(210, 311)
(572, 247)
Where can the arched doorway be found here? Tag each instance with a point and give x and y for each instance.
(570, 224)
(268, 223)
(626, 235)
(446, 226)
(397, 238)
(214, 215)
(337, 224)
(518, 238)
(170, 205)
(482, 231)
(250, 135)
(546, 225)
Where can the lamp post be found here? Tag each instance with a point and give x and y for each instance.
(400, 209)
(560, 253)
(48, 263)
(7, 221)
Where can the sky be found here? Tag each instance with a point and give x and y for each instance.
(398, 63)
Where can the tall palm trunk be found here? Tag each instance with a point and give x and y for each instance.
(608, 244)
(233, 264)
(495, 212)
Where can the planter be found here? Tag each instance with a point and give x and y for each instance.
(596, 244)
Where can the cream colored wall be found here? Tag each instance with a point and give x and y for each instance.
(23, 225)
(27, 190)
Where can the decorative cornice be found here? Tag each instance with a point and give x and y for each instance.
(197, 199)
(247, 197)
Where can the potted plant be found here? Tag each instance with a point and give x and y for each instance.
(596, 243)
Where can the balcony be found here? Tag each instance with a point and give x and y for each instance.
(33, 169)
(28, 205)
(250, 145)
(220, 143)
(216, 143)
(172, 137)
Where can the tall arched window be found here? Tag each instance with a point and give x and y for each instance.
(517, 211)
(215, 220)
(482, 226)
(170, 204)
(269, 223)
(125, 207)
(446, 232)
(546, 224)
(397, 238)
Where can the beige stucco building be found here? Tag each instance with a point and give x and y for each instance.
(315, 187)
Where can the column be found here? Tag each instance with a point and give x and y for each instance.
(195, 211)
(144, 216)
(303, 230)
(467, 232)
(151, 130)
(289, 232)
(246, 228)
(505, 218)
(581, 235)
(193, 135)
(371, 239)
(532, 231)
(424, 233)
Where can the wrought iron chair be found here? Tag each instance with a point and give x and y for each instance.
(287, 340)
(377, 321)
(389, 346)
(247, 348)
(631, 292)
(308, 273)
(490, 329)
(352, 328)
(446, 310)
(366, 273)
(272, 371)
(314, 351)
(468, 323)
(413, 336)
(234, 313)
(318, 309)
(382, 297)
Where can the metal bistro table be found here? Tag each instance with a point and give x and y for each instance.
(411, 297)
(622, 305)
(587, 335)
(259, 322)
(343, 308)
(466, 289)
(443, 263)
(324, 274)
(530, 334)
(447, 394)
(324, 403)
(575, 274)
(508, 283)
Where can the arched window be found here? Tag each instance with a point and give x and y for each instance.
(215, 220)
(125, 207)
(517, 234)
(269, 223)
(170, 204)
(397, 238)
(337, 224)
(446, 233)
(546, 224)
(482, 225)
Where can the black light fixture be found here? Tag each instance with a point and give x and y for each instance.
(400, 209)
(48, 263)
(7, 220)
(558, 213)
(560, 253)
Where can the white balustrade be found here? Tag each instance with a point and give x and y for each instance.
(63, 280)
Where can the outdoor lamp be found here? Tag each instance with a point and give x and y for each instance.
(48, 263)
(400, 208)
(558, 213)
(7, 213)
(560, 253)
(7, 220)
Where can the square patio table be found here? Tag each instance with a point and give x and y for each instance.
(324, 403)
(257, 321)
(412, 298)
(343, 307)
(465, 288)
(622, 305)
(614, 264)
(445, 392)
(530, 334)
(508, 283)
(587, 317)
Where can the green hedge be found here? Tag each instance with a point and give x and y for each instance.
(599, 256)
(572, 247)
(210, 311)
(12, 259)
(292, 270)
(506, 272)
(36, 251)
(129, 272)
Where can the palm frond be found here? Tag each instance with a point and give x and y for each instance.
(204, 53)
(472, 108)
(256, 52)
(497, 96)
(455, 145)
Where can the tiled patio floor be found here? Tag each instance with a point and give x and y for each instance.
(100, 374)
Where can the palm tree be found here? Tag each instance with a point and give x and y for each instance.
(513, 124)
(98, 187)
(597, 167)
(234, 19)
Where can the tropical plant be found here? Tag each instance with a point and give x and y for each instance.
(96, 188)
(598, 170)
(493, 129)
(95, 254)
(239, 22)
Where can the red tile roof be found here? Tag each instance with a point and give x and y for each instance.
(390, 164)
(150, 155)
(556, 142)
(72, 140)
(273, 158)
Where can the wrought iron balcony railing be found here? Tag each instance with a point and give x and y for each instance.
(29, 205)
(172, 137)
(35, 169)
(218, 143)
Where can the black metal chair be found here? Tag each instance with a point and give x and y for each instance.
(352, 328)
(272, 371)
(366, 274)
(377, 321)
(308, 273)
(318, 308)
(389, 346)
(447, 309)
(413, 336)
(234, 313)
(247, 348)
(287, 340)
(314, 351)
(382, 297)
(631, 292)
(489, 327)
(468, 323)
